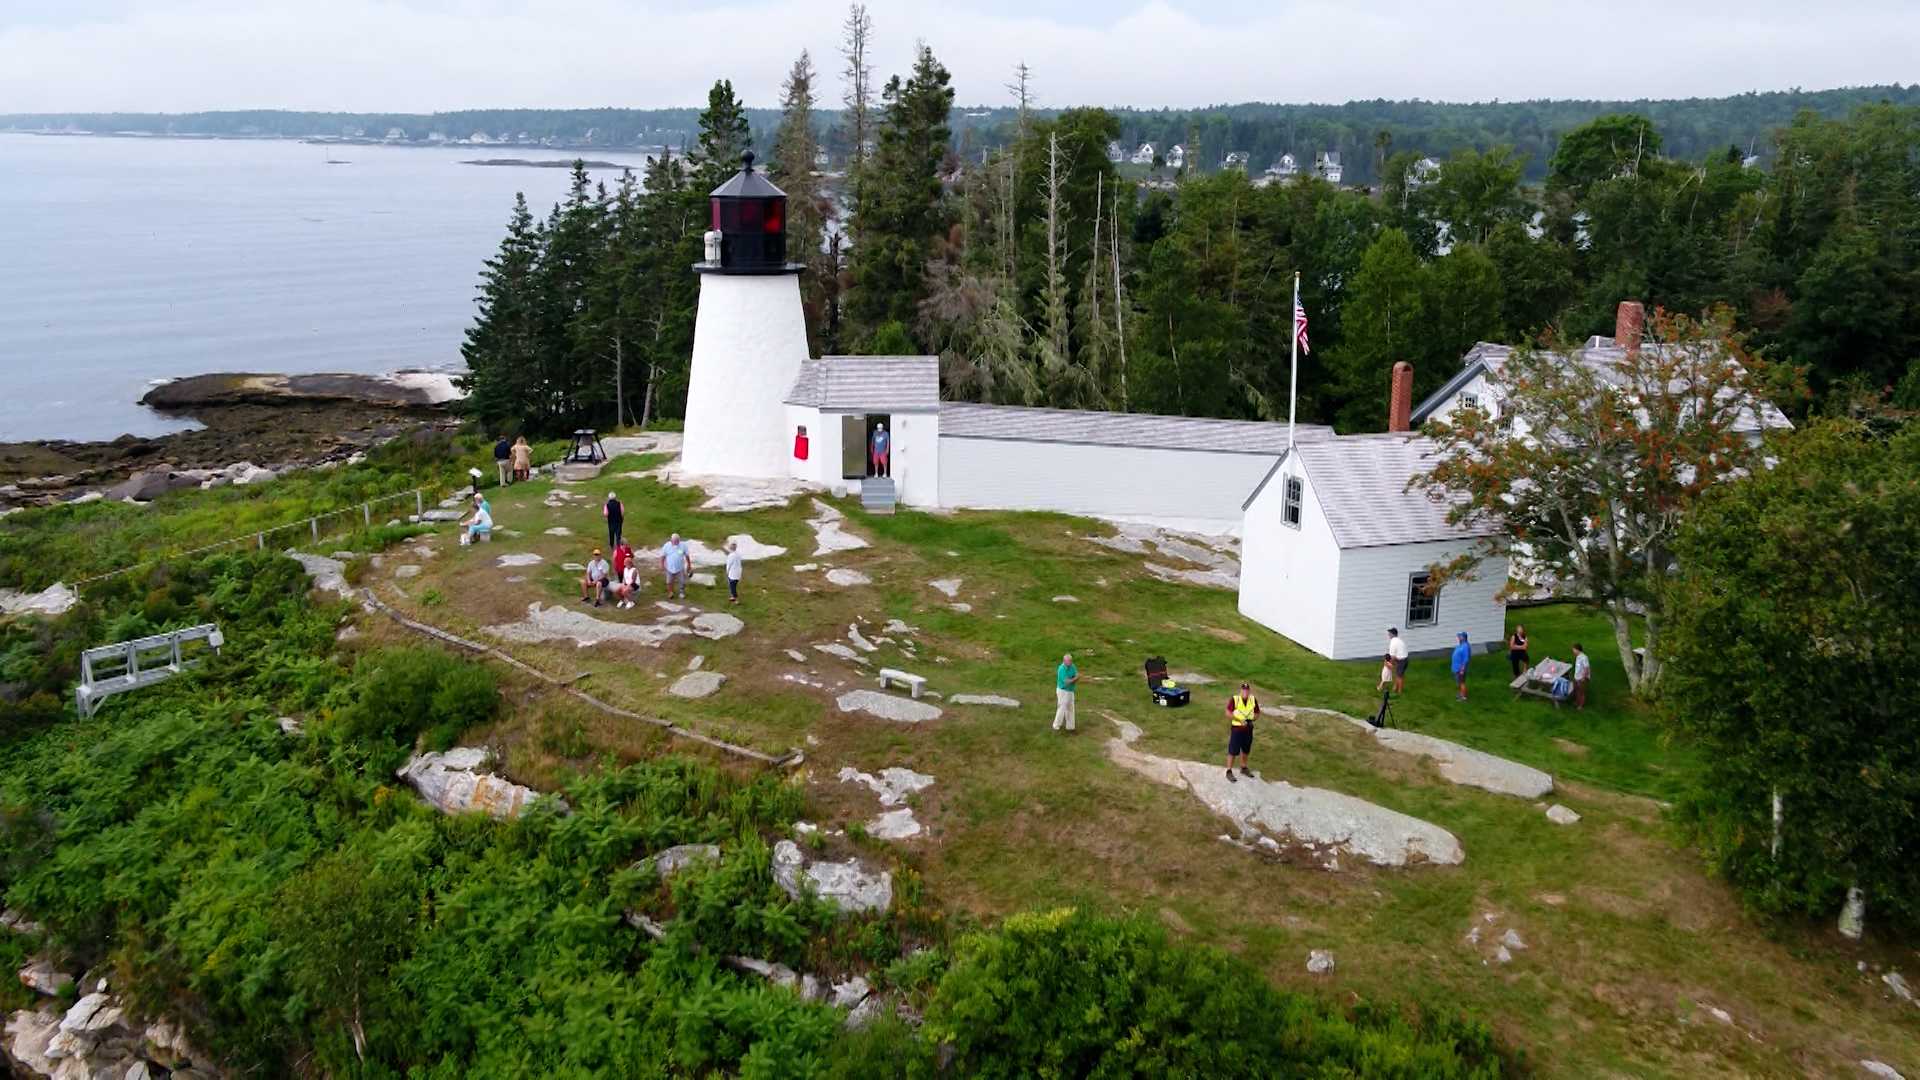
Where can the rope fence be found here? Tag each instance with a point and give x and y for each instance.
(345, 521)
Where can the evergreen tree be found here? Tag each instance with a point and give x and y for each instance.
(808, 207)
(1385, 321)
(501, 347)
(671, 220)
(900, 214)
(723, 137)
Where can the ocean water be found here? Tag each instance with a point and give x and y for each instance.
(125, 260)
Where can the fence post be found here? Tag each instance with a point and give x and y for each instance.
(366, 514)
(260, 541)
(315, 523)
(419, 504)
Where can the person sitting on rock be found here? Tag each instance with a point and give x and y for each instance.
(1241, 710)
(593, 583)
(626, 585)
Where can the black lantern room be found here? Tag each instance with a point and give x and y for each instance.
(750, 214)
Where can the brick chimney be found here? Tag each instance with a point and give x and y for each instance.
(1628, 323)
(1400, 400)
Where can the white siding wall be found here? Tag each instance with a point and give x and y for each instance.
(1113, 481)
(1289, 578)
(1481, 392)
(1373, 596)
(823, 445)
(916, 458)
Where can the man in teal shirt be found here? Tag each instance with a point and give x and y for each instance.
(1065, 679)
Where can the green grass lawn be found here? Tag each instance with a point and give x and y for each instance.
(1628, 942)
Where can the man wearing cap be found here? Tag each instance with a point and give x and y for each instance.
(1461, 654)
(593, 583)
(1241, 709)
(1397, 649)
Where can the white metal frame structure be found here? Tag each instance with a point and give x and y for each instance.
(130, 665)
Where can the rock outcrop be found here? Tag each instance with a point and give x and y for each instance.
(1313, 817)
(455, 782)
(851, 885)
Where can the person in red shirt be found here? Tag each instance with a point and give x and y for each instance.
(622, 554)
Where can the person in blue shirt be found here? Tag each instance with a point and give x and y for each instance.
(1461, 654)
(881, 466)
(673, 563)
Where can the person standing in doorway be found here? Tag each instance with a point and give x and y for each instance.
(673, 563)
(881, 466)
(1066, 679)
(734, 566)
(1517, 650)
(616, 516)
(1397, 652)
(503, 461)
(1582, 671)
(1241, 709)
(1462, 653)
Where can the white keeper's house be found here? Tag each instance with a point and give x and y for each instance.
(1333, 544)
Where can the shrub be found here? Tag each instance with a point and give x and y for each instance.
(1063, 993)
(408, 691)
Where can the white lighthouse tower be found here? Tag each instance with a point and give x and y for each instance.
(749, 335)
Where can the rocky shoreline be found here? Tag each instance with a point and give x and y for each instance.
(255, 426)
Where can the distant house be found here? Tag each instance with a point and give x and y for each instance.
(1177, 157)
(1115, 153)
(1423, 172)
(436, 137)
(822, 159)
(480, 138)
(1144, 155)
(1236, 159)
(1478, 381)
(1335, 549)
(1284, 167)
(394, 134)
(1326, 164)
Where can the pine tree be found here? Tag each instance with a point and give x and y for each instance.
(723, 137)
(670, 218)
(500, 347)
(856, 48)
(808, 208)
(900, 212)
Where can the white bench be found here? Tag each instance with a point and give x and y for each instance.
(914, 683)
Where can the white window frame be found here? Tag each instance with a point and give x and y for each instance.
(1415, 583)
(1469, 400)
(1293, 495)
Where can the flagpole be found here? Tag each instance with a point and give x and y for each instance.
(1293, 374)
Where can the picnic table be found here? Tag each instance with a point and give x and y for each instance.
(1538, 679)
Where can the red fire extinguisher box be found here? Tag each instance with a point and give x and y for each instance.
(800, 443)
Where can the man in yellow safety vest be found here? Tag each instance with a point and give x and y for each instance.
(1241, 710)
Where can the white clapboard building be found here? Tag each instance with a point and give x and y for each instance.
(1332, 576)
(1335, 550)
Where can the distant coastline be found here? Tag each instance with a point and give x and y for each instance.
(547, 163)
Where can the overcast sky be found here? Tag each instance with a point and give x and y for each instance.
(426, 55)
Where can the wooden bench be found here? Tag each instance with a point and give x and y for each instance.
(914, 683)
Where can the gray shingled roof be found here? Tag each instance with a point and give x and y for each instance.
(888, 384)
(1361, 483)
(1120, 429)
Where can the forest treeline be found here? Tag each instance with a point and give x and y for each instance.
(1692, 126)
(1041, 275)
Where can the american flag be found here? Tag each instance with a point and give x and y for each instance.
(1300, 325)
